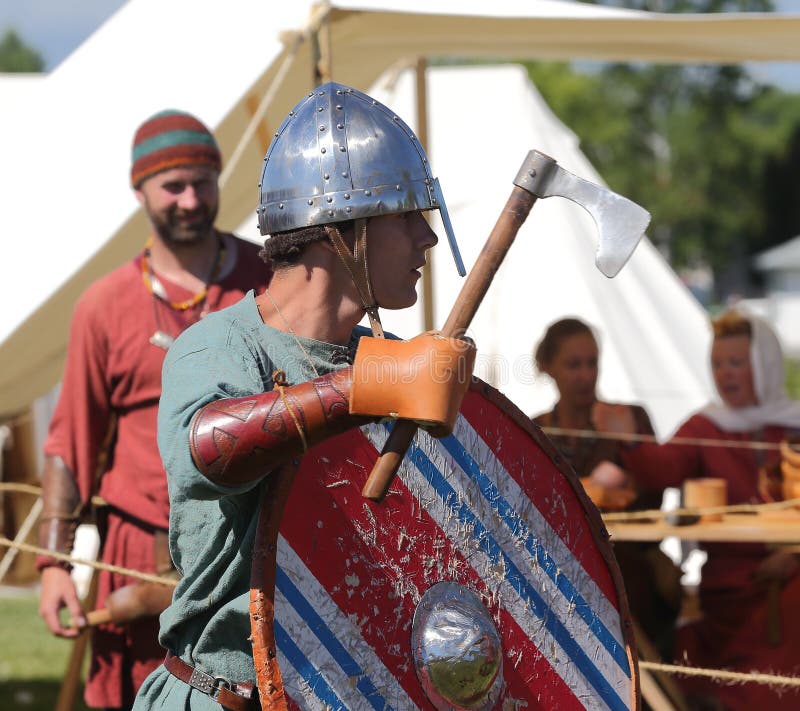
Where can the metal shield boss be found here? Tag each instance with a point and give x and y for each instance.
(484, 580)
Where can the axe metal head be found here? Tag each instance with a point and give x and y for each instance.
(620, 222)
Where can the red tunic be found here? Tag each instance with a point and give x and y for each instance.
(732, 633)
(113, 372)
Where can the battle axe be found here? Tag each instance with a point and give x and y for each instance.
(620, 222)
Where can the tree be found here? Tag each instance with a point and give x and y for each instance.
(781, 193)
(16, 56)
(703, 147)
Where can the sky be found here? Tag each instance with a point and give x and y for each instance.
(56, 27)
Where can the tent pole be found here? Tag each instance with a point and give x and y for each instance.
(260, 112)
(422, 135)
(322, 60)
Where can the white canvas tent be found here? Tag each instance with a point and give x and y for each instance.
(653, 333)
(69, 215)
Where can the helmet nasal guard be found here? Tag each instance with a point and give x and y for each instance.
(341, 155)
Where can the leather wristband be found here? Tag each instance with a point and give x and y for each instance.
(61, 506)
(239, 440)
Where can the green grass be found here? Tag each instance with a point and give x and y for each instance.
(793, 378)
(32, 661)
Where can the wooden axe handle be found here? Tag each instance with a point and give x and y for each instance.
(477, 284)
(71, 680)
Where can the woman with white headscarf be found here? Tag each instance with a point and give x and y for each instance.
(749, 593)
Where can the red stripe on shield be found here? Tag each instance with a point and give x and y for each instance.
(533, 472)
(389, 552)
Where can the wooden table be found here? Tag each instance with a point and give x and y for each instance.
(766, 527)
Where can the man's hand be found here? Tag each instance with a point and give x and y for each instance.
(58, 591)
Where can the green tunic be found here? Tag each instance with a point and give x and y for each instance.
(229, 354)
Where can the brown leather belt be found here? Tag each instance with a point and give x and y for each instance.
(236, 696)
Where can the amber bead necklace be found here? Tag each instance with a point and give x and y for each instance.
(150, 279)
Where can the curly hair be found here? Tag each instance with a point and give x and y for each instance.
(283, 249)
(731, 323)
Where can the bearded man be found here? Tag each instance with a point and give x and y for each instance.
(102, 437)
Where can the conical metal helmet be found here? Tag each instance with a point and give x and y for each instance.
(341, 155)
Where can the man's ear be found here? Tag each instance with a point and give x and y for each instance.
(139, 195)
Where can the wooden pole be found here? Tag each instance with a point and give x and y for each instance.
(22, 534)
(428, 303)
(71, 683)
(322, 60)
(477, 284)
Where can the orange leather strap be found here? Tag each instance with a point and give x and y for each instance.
(262, 588)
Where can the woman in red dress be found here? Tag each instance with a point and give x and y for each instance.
(749, 592)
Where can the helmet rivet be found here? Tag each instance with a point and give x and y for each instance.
(280, 206)
(322, 128)
(323, 149)
(310, 201)
(340, 126)
(311, 94)
(348, 209)
(291, 113)
(339, 92)
(320, 109)
(368, 192)
(347, 196)
(329, 198)
(398, 187)
(339, 106)
(330, 213)
(321, 93)
(327, 176)
(342, 149)
(344, 173)
(394, 118)
(532, 172)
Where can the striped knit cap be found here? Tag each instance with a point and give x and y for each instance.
(170, 139)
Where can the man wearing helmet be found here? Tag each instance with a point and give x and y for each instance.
(250, 389)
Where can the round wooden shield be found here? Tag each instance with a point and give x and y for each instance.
(491, 508)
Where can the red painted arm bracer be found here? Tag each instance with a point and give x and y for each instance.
(239, 440)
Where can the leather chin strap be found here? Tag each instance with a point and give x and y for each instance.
(356, 264)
